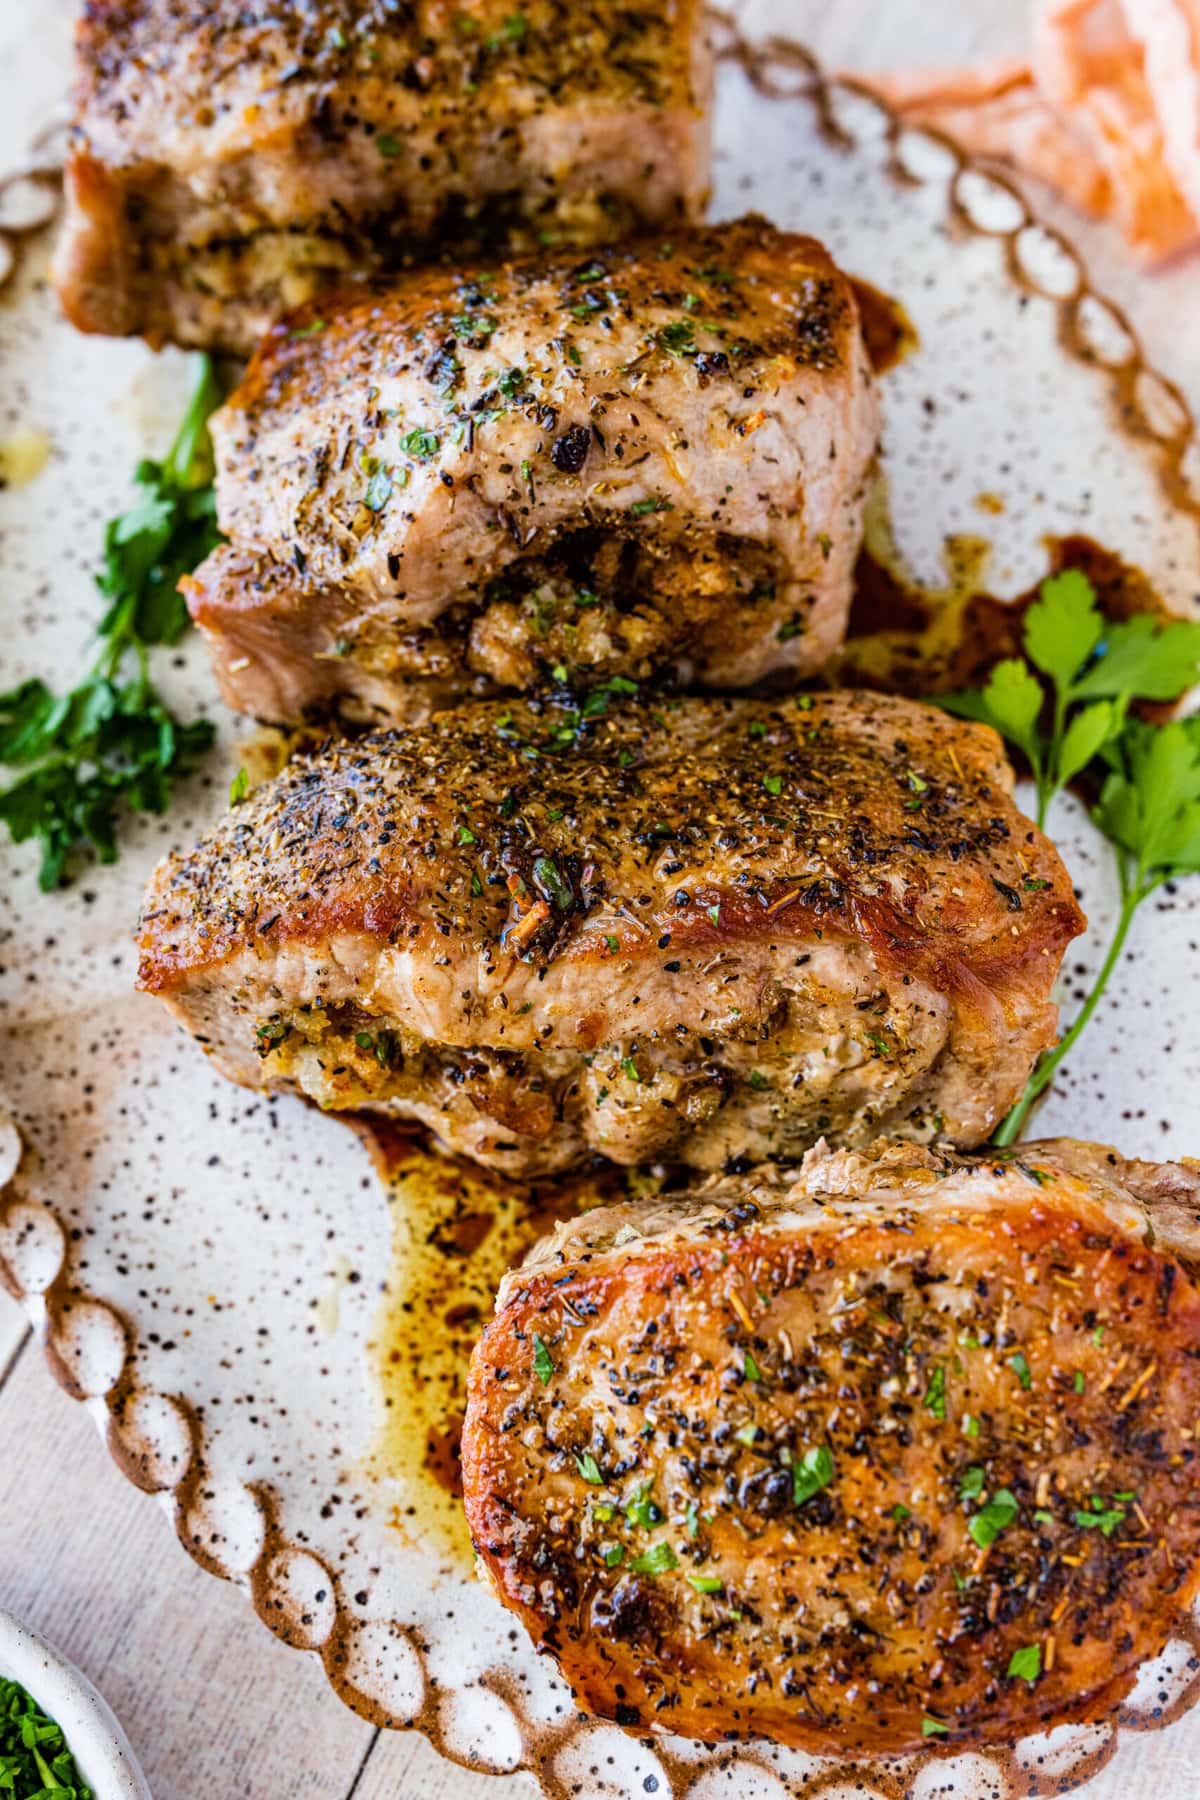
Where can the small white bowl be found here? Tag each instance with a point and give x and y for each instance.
(99, 1746)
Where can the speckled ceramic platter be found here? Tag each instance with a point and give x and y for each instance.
(258, 1321)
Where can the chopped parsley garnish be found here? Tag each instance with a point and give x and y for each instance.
(640, 508)
(420, 443)
(477, 327)
(933, 1727)
(549, 879)
(750, 1368)
(1025, 1664)
(614, 943)
(1104, 1519)
(641, 1510)
(935, 1393)
(714, 913)
(813, 1472)
(630, 1069)
(613, 1555)
(268, 1037)
(900, 1512)
(678, 337)
(589, 1469)
(387, 145)
(657, 1560)
(465, 835)
(1019, 1365)
(110, 743)
(35, 1761)
(238, 787)
(993, 1518)
(382, 1045)
(511, 383)
(706, 1584)
(543, 1362)
(691, 1518)
(378, 490)
(773, 784)
(971, 1485)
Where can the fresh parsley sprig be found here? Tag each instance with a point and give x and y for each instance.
(1149, 810)
(1083, 672)
(1066, 707)
(111, 743)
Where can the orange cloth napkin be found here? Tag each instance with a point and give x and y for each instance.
(1106, 109)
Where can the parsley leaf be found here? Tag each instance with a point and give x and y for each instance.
(813, 1472)
(993, 1518)
(111, 744)
(1092, 665)
(1063, 626)
(543, 1362)
(971, 1485)
(657, 1560)
(1025, 1664)
(935, 1393)
(1081, 672)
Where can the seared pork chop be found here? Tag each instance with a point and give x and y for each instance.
(692, 930)
(233, 157)
(652, 461)
(900, 1448)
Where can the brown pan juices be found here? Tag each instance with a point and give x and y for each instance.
(456, 1229)
(906, 639)
(887, 330)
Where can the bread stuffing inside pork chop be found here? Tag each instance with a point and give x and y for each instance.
(649, 463)
(232, 158)
(898, 1449)
(693, 930)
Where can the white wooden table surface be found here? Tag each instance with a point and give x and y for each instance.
(213, 1705)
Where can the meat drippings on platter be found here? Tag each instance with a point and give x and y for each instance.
(888, 332)
(908, 639)
(456, 1229)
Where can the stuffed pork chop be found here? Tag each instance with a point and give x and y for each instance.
(231, 158)
(692, 930)
(898, 1449)
(650, 462)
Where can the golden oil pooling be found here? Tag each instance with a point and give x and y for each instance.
(908, 639)
(23, 456)
(456, 1229)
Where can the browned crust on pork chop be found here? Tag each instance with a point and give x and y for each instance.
(691, 929)
(899, 1450)
(231, 158)
(652, 462)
